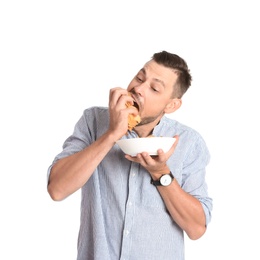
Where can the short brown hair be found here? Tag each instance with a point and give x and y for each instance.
(180, 66)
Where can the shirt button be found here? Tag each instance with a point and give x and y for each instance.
(130, 203)
(133, 174)
(126, 232)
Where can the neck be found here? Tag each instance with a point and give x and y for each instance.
(146, 129)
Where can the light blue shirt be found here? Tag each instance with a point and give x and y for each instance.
(122, 214)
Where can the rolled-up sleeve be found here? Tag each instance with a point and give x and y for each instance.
(194, 171)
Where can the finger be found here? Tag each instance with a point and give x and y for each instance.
(176, 141)
(161, 156)
(115, 94)
(174, 145)
(146, 159)
(137, 158)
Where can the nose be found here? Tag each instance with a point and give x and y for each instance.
(140, 89)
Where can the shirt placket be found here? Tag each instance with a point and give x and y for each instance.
(130, 213)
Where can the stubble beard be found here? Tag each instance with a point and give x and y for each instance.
(148, 120)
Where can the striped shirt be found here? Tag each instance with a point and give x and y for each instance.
(122, 214)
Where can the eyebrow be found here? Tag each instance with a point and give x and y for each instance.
(155, 79)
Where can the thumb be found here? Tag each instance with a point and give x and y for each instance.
(176, 142)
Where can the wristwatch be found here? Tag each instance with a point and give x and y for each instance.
(165, 180)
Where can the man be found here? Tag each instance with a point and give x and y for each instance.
(126, 213)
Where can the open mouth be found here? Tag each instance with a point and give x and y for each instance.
(136, 105)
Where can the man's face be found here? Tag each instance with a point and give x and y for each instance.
(152, 89)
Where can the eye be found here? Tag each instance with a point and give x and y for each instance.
(155, 89)
(139, 79)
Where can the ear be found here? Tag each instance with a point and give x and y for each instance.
(173, 105)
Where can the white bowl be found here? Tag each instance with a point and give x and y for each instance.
(146, 144)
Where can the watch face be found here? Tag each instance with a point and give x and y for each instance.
(166, 180)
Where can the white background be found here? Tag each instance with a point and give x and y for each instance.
(59, 57)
